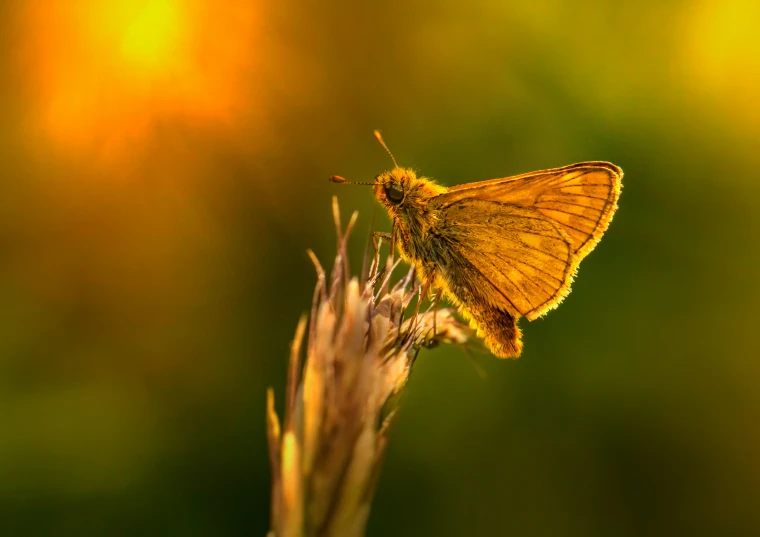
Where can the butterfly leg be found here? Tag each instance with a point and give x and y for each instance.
(435, 310)
(427, 276)
(433, 332)
(423, 294)
(377, 239)
(414, 320)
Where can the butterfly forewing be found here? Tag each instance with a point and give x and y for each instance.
(582, 202)
(581, 198)
(536, 229)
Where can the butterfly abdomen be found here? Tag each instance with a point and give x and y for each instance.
(497, 327)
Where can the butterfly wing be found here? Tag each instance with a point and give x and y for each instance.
(532, 231)
(581, 197)
(513, 257)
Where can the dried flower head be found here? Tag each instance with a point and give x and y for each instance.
(340, 403)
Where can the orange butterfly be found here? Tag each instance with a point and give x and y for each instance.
(503, 248)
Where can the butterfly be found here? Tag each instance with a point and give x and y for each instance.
(499, 249)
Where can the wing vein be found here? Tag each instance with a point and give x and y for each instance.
(559, 193)
(526, 232)
(571, 214)
(527, 298)
(566, 180)
(512, 264)
(576, 229)
(568, 203)
(544, 251)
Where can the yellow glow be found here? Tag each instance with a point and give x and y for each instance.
(721, 56)
(153, 36)
(104, 72)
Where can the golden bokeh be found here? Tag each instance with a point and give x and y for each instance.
(722, 57)
(105, 73)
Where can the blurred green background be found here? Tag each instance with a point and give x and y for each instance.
(164, 167)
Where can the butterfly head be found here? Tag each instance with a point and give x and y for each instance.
(392, 187)
(404, 194)
(399, 190)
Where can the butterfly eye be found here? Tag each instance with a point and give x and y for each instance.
(394, 193)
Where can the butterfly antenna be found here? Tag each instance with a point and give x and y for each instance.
(341, 180)
(379, 138)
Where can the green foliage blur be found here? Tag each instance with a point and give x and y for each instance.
(148, 294)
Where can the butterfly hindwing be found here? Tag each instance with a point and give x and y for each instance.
(522, 257)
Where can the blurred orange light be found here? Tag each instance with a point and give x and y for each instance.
(104, 72)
